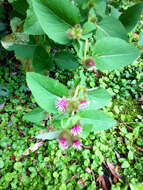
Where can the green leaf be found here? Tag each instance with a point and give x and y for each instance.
(131, 16)
(18, 165)
(111, 26)
(89, 27)
(98, 98)
(115, 12)
(100, 7)
(86, 130)
(49, 136)
(114, 53)
(45, 90)
(20, 6)
(1, 163)
(125, 164)
(98, 119)
(66, 61)
(140, 42)
(56, 17)
(35, 115)
(19, 43)
(32, 25)
(23, 50)
(41, 60)
(3, 91)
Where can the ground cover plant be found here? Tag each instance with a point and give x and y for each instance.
(87, 48)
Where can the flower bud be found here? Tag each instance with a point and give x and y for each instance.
(75, 32)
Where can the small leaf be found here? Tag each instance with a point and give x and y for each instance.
(131, 16)
(114, 53)
(66, 61)
(49, 136)
(35, 115)
(3, 91)
(125, 164)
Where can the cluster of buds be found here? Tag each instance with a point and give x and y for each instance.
(75, 32)
(68, 137)
(71, 105)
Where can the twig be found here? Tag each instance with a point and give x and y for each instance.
(40, 172)
(76, 91)
(139, 148)
(71, 178)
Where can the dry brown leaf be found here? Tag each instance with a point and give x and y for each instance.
(112, 169)
(33, 148)
(102, 182)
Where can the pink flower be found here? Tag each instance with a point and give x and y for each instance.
(76, 130)
(91, 63)
(77, 145)
(61, 104)
(63, 143)
(83, 104)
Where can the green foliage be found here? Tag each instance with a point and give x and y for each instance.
(42, 63)
(114, 53)
(98, 119)
(53, 167)
(35, 115)
(131, 16)
(54, 38)
(110, 26)
(43, 91)
(66, 61)
(56, 18)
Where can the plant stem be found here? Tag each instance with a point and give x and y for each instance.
(85, 49)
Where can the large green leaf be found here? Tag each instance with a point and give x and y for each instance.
(45, 90)
(49, 136)
(32, 25)
(111, 26)
(56, 17)
(35, 115)
(114, 53)
(98, 98)
(42, 61)
(66, 61)
(131, 16)
(98, 119)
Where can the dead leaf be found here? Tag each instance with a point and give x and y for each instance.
(33, 148)
(102, 182)
(112, 169)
